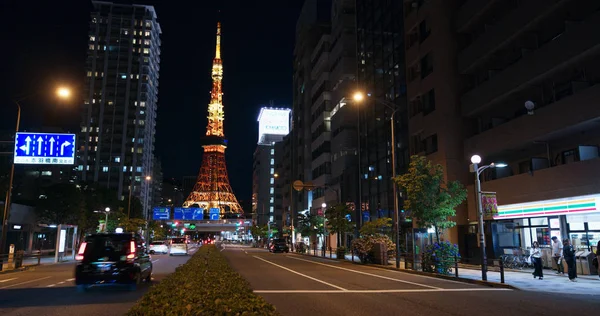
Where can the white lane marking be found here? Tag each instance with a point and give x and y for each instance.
(51, 285)
(374, 291)
(5, 287)
(153, 261)
(298, 273)
(69, 280)
(2, 281)
(63, 282)
(369, 274)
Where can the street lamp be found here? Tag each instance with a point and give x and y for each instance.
(359, 97)
(106, 211)
(477, 170)
(63, 93)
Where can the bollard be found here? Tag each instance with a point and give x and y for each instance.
(501, 271)
(352, 254)
(456, 266)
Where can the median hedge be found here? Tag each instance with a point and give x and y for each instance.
(205, 285)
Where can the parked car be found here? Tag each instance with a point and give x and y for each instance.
(159, 247)
(112, 259)
(279, 245)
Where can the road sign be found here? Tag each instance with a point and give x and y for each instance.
(161, 213)
(188, 213)
(298, 185)
(215, 214)
(44, 149)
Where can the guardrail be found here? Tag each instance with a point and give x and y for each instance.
(18, 260)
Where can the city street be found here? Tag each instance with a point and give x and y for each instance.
(50, 290)
(300, 285)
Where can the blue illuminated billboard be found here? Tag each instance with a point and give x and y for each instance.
(215, 214)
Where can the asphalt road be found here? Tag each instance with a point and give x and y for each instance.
(50, 290)
(299, 285)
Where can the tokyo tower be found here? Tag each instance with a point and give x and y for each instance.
(212, 189)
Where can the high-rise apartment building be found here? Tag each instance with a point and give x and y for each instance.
(273, 126)
(514, 82)
(116, 141)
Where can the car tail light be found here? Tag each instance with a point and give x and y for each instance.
(131, 254)
(79, 255)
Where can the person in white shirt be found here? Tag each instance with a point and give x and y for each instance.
(536, 257)
(557, 255)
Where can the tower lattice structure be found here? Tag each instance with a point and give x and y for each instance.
(212, 189)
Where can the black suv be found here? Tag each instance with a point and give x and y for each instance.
(279, 245)
(110, 259)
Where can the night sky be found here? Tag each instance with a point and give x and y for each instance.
(44, 44)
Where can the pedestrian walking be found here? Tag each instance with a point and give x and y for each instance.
(569, 255)
(598, 258)
(557, 255)
(536, 258)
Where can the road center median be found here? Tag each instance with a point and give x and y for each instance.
(205, 285)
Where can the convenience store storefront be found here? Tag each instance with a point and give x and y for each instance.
(517, 226)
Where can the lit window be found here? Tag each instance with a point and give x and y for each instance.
(91, 47)
(272, 200)
(117, 159)
(137, 76)
(141, 122)
(271, 209)
(80, 168)
(87, 167)
(133, 140)
(96, 138)
(95, 148)
(146, 51)
(89, 73)
(134, 40)
(104, 169)
(130, 168)
(272, 180)
(140, 150)
(272, 151)
(146, 42)
(93, 101)
(142, 112)
(138, 169)
(147, 33)
(143, 104)
(97, 129)
(132, 149)
(272, 161)
(46, 173)
(84, 128)
(135, 32)
(138, 178)
(148, 24)
(135, 103)
(272, 171)
(91, 138)
(123, 76)
(270, 218)
(124, 168)
(272, 190)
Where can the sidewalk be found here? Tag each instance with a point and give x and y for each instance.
(552, 283)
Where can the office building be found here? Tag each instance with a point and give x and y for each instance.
(381, 73)
(116, 141)
(273, 126)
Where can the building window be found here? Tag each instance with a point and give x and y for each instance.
(124, 168)
(272, 161)
(46, 173)
(147, 33)
(272, 171)
(272, 151)
(89, 73)
(146, 42)
(272, 190)
(138, 169)
(272, 180)
(272, 200)
(429, 102)
(426, 65)
(105, 169)
(117, 159)
(271, 209)
(146, 51)
(424, 31)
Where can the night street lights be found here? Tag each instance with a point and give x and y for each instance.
(359, 97)
(477, 170)
(63, 93)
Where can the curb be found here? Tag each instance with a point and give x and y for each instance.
(21, 269)
(428, 274)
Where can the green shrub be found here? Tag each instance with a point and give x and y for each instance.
(439, 257)
(205, 285)
(363, 247)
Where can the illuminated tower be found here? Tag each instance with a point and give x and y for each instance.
(212, 189)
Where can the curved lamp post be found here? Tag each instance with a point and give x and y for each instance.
(477, 170)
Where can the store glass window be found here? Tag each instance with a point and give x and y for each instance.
(539, 221)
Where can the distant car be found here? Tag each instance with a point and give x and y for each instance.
(112, 259)
(279, 245)
(159, 247)
(178, 246)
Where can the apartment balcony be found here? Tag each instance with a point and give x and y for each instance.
(576, 42)
(499, 33)
(559, 118)
(574, 179)
(469, 11)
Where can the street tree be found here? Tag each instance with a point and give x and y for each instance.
(61, 203)
(337, 219)
(381, 226)
(430, 199)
